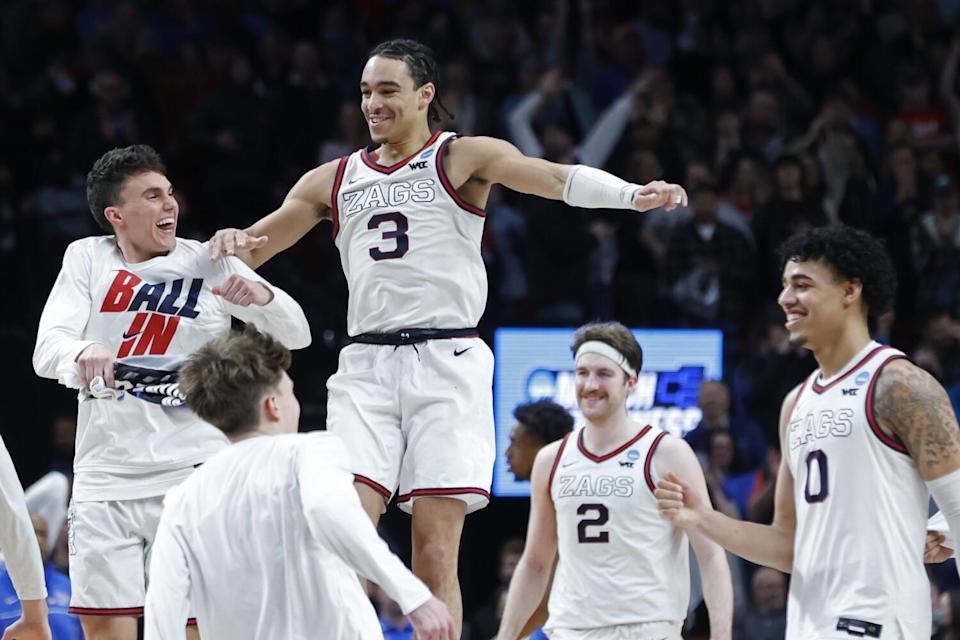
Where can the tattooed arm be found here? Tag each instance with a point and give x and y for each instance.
(909, 403)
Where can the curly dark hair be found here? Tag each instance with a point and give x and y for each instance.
(852, 254)
(225, 379)
(545, 420)
(109, 173)
(422, 65)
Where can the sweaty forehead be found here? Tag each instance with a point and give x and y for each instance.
(379, 69)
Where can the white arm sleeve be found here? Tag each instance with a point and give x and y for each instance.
(282, 317)
(168, 593)
(946, 492)
(591, 188)
(17, 538)
(336, 518)
(64, 316)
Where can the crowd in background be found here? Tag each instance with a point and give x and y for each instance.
(776, 115)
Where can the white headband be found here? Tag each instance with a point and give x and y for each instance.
(605, 350)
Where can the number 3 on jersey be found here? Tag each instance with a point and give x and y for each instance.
(398, 235)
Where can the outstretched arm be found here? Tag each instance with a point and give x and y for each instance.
(769, 545)
(498, 162)
(307, 203)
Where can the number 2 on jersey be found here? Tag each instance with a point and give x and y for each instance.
(603, 514)
(822, 486)
(398, 235)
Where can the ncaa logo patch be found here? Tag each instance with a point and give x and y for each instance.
(426, 154)
(633, 454)
(862, 377)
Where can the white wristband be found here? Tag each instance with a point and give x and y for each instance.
(591, 188)
(946, 492)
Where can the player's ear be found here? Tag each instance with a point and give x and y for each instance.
(113, 215)
(270, 408)
(426, 92)
(852, 290)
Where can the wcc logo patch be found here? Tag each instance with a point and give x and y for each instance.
(158, 315)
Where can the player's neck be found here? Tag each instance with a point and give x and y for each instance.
(404, 146)
(248, 435)
(133, 254)
(840, 349)
(604, 435)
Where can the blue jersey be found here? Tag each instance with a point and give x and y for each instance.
(63, 625)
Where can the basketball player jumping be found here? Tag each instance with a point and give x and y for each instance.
(866, 439)
(407, 217)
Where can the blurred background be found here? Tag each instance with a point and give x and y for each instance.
(776, 115)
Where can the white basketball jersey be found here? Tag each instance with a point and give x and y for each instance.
(861, 513)
(409, 245)
(619, 561)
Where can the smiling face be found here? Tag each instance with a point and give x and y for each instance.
(602, 387)
(145, 217)
(816, 302)
(391, 104)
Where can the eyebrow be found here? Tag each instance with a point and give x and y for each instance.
(798, 276)
(380, 83)
(152, 189)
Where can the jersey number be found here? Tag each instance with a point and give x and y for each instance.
(398, 235)
(602, 516)
(818, 458)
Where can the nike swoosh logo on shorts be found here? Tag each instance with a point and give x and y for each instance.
(460, 352)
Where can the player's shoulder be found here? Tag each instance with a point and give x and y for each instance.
(900, 374)
(193, 248)
(318, 443)
(664, 445)
(91, 245)
(479, 145)
(551, 450)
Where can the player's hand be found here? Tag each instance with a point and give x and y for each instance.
(935, 552)
(32, 625)
(659, 194)
(235, 242)
(22, 630)
(243, 292)
(432, 621)
(678, 505)
(96, 360)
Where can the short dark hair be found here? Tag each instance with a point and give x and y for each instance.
(422, 65)
(852, 254)
(545, 420)
(225, 379)
(108, 175)
(614, 334)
